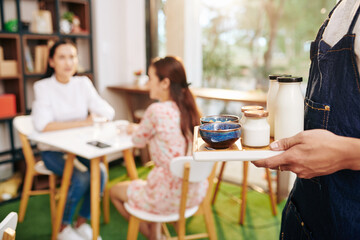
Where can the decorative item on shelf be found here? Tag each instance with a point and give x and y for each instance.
(28, 60)
(7, 105)
(140, 79)
(76, 25)
(41, 22)
(41, 58)
(11, 25)
(66, 22)
(7, 67)
(137, 74)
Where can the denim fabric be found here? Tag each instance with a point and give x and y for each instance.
(79, 187)
(328, 207)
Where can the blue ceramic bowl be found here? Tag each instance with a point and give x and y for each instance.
(219, 118)
(220, 134)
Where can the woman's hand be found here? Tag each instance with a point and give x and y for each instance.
(132, 127)
(314, 153)
(89, 121)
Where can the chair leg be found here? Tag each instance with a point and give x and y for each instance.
(26, 193)
(133, 229)
(181, 229)
(271, 193)
(165, 230)
(209, 221)
(52, 185)
(9, 234)
(219, 178)
(243, 194)
(106, 198)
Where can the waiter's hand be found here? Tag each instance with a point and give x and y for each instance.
(308, 154)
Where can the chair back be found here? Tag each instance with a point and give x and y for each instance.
(199, 171)
(24, 126)
(10, 221)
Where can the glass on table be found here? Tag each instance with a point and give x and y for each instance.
(121, 126)
(98, 123)
(98, 120)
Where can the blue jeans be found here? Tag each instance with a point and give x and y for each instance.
(79, 187)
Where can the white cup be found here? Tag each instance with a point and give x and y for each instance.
(121, 126)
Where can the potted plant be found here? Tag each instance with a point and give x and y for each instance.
(66, 22)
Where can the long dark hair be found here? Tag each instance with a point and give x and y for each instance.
(49, 70)
(173, 69)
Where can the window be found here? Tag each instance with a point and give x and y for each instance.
(245, 41)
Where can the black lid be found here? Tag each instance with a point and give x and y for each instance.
(289, 79)
(275, 76)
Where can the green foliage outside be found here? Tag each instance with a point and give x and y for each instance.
(245, 41)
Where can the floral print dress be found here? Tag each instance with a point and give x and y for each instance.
(161, 192)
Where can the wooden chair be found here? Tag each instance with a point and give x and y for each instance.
(8, 226)
(189, 171)
(24, 126)
(244, 190)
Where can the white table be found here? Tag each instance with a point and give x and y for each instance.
(74, 142)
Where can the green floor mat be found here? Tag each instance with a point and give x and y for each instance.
(259, 222)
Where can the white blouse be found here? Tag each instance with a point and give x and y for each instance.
(58, 102)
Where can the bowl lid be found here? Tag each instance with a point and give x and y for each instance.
(256, 113)
(250, 107)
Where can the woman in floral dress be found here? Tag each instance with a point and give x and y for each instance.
(167, 127)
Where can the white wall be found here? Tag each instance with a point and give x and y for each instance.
(119, 46)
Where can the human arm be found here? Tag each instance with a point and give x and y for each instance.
(314, 153)
(146, 129)
(53, 126)
(97, 104)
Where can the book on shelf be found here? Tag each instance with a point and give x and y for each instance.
(41, 58)
(28, 60)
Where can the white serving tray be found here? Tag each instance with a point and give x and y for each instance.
(236, 152)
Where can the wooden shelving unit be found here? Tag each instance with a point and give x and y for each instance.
(21, 43)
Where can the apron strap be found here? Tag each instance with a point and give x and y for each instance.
(332, 11)
(351, 28)
(324, 25)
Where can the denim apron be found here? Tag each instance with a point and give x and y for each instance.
(328, 207)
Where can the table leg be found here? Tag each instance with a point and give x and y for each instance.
(95, 196)
(271, 193)
(243, 193)
(65, 183)
(130, 164)
(106, 197)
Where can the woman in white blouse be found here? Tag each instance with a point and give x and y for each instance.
(63, 101)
